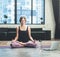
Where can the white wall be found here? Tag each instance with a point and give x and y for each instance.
(49, 19)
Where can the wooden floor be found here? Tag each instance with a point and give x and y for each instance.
(5, 43)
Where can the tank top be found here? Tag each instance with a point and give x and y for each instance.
(23, 35)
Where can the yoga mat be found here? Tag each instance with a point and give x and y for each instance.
(5, 46)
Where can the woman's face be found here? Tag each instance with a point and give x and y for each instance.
(23, 21)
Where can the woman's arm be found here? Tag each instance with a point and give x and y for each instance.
(16, 38)
(29, 33)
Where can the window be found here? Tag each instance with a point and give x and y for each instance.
(24, 8)
(38, 11)
(7, 11)
(32, 9)
(11, 10)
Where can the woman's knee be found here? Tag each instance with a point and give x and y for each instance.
(15, 44)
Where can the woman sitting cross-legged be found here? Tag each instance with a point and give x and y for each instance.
(23, 36)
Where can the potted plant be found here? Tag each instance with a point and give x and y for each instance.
(5, 16)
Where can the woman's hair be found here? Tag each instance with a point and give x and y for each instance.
(22, 18)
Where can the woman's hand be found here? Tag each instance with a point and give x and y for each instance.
(34, 41)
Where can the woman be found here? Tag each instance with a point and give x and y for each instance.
(23, 36)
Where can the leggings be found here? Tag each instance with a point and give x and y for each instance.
(28, 44)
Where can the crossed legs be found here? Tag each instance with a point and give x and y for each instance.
(17, 44)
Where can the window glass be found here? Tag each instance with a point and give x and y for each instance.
(7, 11)
(24, 9)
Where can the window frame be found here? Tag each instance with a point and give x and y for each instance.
(15, 20)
